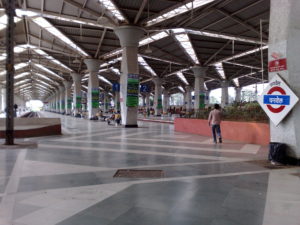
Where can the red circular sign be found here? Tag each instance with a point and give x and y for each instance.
(281, 91)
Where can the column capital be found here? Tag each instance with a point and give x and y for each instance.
(92, 64)
(129, 36)
(188, 88)
(67, 84)
(76, 77)
(199, 71)
(224, 83)
(61, 89)
(157, 80)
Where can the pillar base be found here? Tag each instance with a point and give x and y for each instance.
(131, 126)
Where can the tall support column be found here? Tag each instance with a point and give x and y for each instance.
(3, 99)
(144, 100)
(188, 98)
(68, 99)
(117, 101)
(238, 91)
(225, 96)
(129, 37)
(105, 101)
(199, 90)
(158, 96)
(77, 97)
(1, 95)
(61, 99)
(10, 71)
(93, 86)
(284, 40)
(148, 100)
(166, 102)
(207, 93)
(57, 101)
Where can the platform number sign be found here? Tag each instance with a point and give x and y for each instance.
(277, 100)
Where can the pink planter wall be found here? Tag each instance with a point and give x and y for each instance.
(248, 132)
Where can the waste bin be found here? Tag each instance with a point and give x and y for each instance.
(278, 152)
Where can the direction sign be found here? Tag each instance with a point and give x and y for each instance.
(277, 100)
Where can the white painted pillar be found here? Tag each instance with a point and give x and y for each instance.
(105, 101)
(284, 40)
(148, 100)
(57, 103)
(93, 86)
(77, 97)
(188, 98)
(238, 91)
(129, 37)
(158, 96)
(199, 90)
(68, 99)
(225, 96)
(1, 86)
(207, 100)
(166, 102)
(61, 99)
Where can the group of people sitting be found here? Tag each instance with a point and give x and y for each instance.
(115, 117)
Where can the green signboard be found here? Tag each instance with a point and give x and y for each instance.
(78, 102)
(159, 103)
(132, 90)
(63, 105)
(202, 101)
(95, 98)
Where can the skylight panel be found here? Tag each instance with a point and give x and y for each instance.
(153, 38)
(181, 89)
(186, 44)
(105, 80)
(50, 28)
(115, 70)
(109, 5)
(146, 66)
(46, 78)
(179, 10)
(48, 71)
(236, 81)
(182, 77)
(3, 21)
(21, 75)
(44, 54)
(220, 70)
(20, 66)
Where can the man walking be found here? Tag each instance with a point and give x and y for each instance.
(214, 120)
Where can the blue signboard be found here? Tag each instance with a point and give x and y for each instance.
(144, 88)
(116, 87)
(277, 99)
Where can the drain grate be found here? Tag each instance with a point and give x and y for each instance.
(139, 173)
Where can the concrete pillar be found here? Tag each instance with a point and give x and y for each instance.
(144, 100)
(105, 101)
(284, 39)
(225, 96)
(61, 99)
(238, 91)
(68, 99)
(166, 102)
(157, 96)
(93, 86)
(77, 97)
(57, 101)
(129, 37)
(3, 97)
(117, 101)
(199, 90)
(207, 93)
(1, 87)
(188, 98)
(148, 100)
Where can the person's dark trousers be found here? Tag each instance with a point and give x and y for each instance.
(216, 129)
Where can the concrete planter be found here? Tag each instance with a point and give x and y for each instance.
(247, 132)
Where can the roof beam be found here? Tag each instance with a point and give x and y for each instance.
(100, 43)
(243, 23)
(138, 15)
(217, 52)
(89, 11)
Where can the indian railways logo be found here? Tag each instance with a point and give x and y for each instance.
(281, 99)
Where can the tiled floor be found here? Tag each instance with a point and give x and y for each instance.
(68, 180)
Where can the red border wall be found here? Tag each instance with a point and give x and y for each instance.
(248, 132)
(36, 132)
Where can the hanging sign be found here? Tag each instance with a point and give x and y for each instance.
(132, 99)
(95, 98)
(277, 100)
(277, 65)
(116, 87)
(144, 88)
(201, 101)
